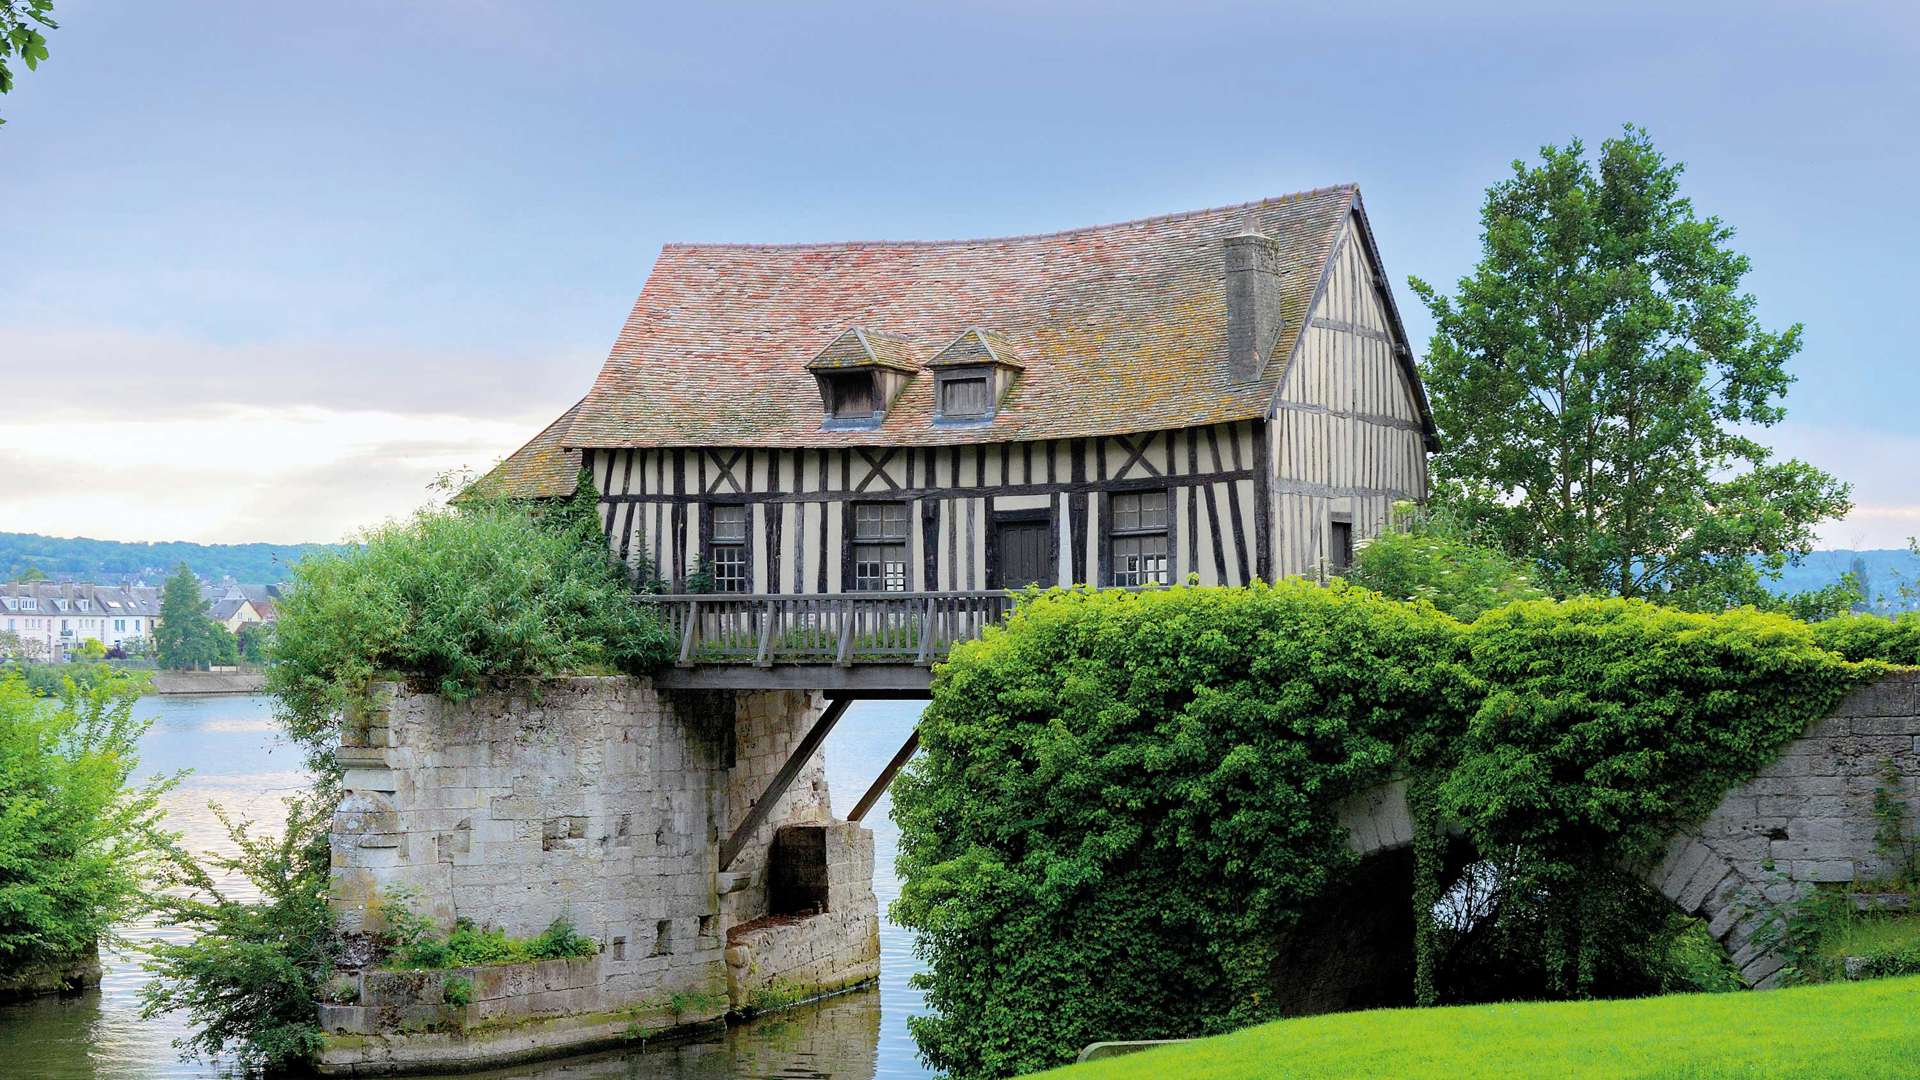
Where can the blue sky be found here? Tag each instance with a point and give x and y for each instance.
(268, 267)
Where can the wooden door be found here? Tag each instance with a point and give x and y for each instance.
(1024, 558)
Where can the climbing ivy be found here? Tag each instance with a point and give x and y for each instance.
(1125, 800)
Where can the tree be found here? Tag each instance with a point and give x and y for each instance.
(1429, 556)
(18, 36)
(79, 841)
(1594, 380)
(253, 640)
(187, 636)
(33, 573)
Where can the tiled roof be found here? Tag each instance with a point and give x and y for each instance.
(542, 469)
(1121, 328)
(976, 345)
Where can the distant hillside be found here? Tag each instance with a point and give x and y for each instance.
(113, 561)
(1886, 569)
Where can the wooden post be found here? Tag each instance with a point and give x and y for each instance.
(765, 657)
(783, 780)
(886, 777)
(687, 636)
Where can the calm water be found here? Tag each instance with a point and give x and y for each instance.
(240, 762)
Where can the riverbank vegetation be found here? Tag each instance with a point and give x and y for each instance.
(80, 840)
(1846, 1031)
(249, 978)
(488, 594)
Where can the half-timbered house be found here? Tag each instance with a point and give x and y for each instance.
(1213, 396)
(1217, 395)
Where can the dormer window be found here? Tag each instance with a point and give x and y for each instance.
(964, 396)
(860, 373)
(849, 396)
(971, 377)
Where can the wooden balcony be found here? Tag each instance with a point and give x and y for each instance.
(877, 643)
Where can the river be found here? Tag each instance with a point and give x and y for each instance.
(240, 762)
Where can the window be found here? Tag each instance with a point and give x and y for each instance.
(83, 605)
(119, 626)
(727, 554)
(1339, 546)
(850, 396)
(1138, 534)
(880, 547)
(28, 603)
(964, 396)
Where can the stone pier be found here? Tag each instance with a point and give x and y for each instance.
(602, 801)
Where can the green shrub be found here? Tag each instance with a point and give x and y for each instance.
(458, 601)
(249, 979)
(458, 990)
(79, 844)
(1124, 800)
(413, 943)
(1862, 637)
(1427, 555)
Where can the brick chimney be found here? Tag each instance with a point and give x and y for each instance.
(1253, 302)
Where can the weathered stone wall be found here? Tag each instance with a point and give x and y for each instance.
(1807, 818)
(776, 960)
(599, 800)
(767, 728)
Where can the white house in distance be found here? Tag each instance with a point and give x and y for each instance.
(53, 618)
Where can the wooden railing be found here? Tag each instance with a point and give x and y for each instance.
(833, 628)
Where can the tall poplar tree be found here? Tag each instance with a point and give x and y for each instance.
(1598, 380)
(187, 636)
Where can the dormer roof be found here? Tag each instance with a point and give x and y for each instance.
(977, 345)
(859, 347)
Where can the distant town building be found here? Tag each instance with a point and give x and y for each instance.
(53, 618)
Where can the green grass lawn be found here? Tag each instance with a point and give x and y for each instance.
(1830, 1032)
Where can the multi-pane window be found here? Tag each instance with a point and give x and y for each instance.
(727, 555)
(1138, 530)
(119, 626)
(963, 397)
(880, 547)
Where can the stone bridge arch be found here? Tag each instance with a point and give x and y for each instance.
(1806, 818)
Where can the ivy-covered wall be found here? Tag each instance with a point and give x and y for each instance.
(1125, 802)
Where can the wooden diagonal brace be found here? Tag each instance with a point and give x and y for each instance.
(783, 780)
(886, 777)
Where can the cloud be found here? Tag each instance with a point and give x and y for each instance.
(1881, 467)
(232, 473)
(127, 374)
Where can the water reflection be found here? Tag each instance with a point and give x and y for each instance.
(241, 763)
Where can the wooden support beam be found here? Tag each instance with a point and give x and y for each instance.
(783, 780)
(886, 777)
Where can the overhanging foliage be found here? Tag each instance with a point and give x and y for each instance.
(1124, 800)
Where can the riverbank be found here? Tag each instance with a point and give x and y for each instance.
(239, 760)
(180, 683)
